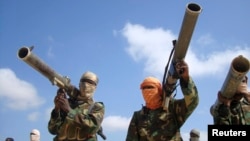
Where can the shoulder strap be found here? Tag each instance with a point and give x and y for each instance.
(91, 107)
(99, 132)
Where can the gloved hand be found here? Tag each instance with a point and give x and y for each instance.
(182, 70)
(223, 110)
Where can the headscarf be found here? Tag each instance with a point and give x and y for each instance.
(87, 85)
(242, 88)
(194, 135)
(34, 135)
(9, 139)
(151, 91)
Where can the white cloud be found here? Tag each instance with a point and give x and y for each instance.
(33, 116)
(216, 62)
(153, 47)
(17, 94)
(205, 40)
(115, 123)
(150, 45)
(119, 123)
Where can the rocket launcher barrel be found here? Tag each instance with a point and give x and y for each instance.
(25, 54)
(181, 46)
(238, 69)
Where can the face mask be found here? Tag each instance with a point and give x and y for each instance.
(152, 98)
(87, 90)
(194, 139)
(242, 88)
(34, 138)
(35, 135)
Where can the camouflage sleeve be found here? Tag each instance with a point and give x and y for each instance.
(132, 133)
(223, 115)
(185, 107)
(89, 122)
(190, 95)
(221, 121)
(54, 122)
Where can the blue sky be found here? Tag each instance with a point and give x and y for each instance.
(122, 42)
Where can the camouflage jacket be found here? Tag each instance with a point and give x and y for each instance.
(237, 114)
(161, 125)
(80, 124)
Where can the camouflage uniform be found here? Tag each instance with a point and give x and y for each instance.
(160, 125)
(80, 124)
(237, 114)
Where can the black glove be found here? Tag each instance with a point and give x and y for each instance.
(223, 110)
(235, 107)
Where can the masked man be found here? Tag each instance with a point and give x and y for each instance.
(194, 135)
(234, 111)
(35, 135)
(152, 122)
(78, 118)
(9, 139)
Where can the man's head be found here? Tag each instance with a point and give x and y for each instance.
(194, 135)
(87, 85)
(35, 135)
(242, 89)
(151, 91)
(9, 139)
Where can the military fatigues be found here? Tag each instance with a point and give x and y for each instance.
(237, 114)
(80, 124)
(160, 125)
